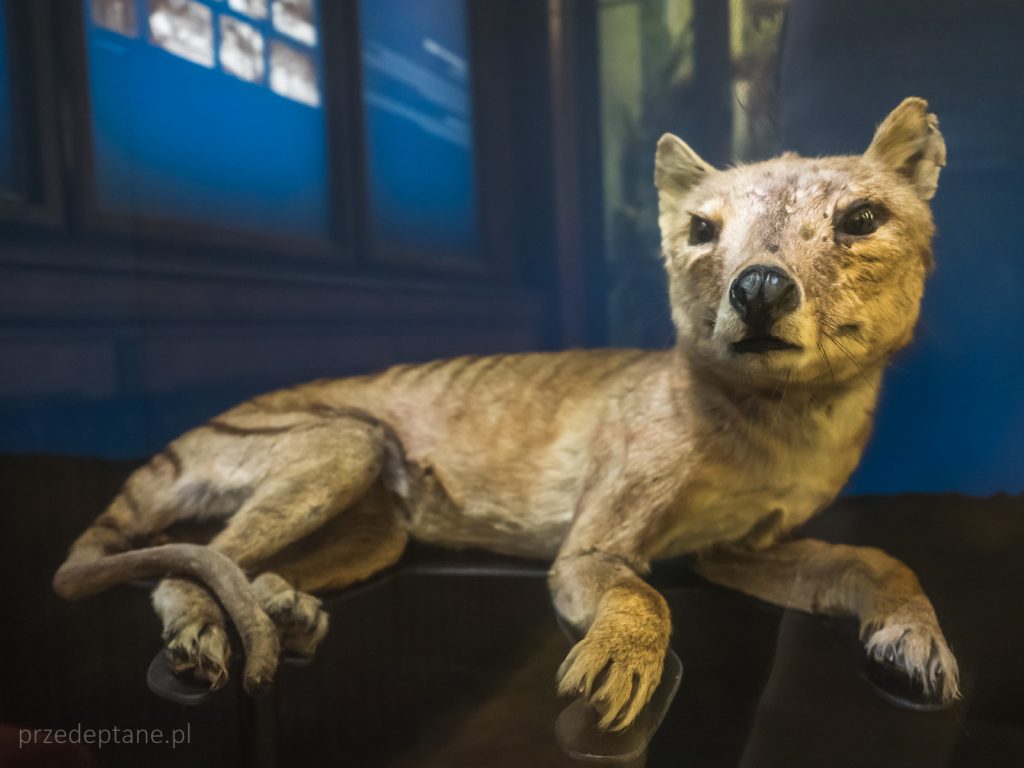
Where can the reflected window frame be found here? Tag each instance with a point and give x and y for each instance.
(484, 258)
(35, 198)
(52, 54)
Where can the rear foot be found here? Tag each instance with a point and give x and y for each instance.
(201, 648)
(195, 636)
(300, 620)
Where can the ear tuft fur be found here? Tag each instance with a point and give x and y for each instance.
(908, 141)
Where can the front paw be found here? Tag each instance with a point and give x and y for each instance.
(617, 668)
(912, 660)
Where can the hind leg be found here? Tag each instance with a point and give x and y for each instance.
(194, 627)
(294, 481)
(368, 538)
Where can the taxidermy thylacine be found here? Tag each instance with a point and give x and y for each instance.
(791, 283)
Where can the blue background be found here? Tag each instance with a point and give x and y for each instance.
(952, 411)
(176, 140)
(169, 142)
(421, 187)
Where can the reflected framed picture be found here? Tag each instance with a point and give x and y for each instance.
(293, 74)
(255, 9)
(116, 15)
(295, 19)
(226, 140)
(182, 27)
(241, 49)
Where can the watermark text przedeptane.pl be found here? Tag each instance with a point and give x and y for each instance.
(101, 737)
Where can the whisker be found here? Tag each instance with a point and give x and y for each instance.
(828, 363)
(852, 359)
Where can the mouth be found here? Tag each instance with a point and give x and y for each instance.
(756, 345)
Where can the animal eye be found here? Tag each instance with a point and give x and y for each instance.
(701, 230)
(860, 221)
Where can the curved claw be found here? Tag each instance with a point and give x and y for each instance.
(580, 736)
(897, 687)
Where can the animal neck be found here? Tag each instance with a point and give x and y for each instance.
(784, 405)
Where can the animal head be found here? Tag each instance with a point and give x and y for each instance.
(801, 269)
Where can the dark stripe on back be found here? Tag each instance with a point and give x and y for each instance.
(356, 414)
(488, 364)
(231, 429)
(172, 457)
(320, 409)
(426, 369)
(395, 460)
(110, 526)
(551, 374)
(460, 366)
(131, 502)
(630, 359)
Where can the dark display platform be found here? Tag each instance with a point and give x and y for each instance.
(449, 660)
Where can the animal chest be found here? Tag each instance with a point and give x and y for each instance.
(757, 491)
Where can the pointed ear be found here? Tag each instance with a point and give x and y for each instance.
(677, 169)
(908, 141)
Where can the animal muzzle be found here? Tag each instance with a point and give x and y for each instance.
(761, 294)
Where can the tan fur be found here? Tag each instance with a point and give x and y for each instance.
(602, 460)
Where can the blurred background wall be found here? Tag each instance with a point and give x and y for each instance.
(741, 80)
(952, 413)
(204, 199)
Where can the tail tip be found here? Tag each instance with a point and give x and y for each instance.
(64, 584)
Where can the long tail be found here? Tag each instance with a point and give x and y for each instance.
(98, 561)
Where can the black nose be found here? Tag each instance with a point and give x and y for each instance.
(762, 294)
